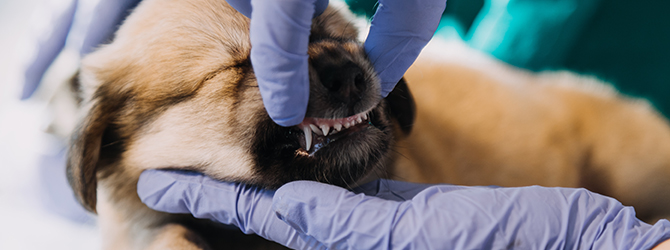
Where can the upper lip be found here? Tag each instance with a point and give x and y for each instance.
(325, 126)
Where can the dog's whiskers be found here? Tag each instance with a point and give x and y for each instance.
(325, 177)
(112, 143)
(351, 178)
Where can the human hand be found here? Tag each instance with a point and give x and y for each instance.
(247, 207)
(279, 34)
(392, 214)
(244, 206)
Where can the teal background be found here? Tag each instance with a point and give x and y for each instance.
(626, 43)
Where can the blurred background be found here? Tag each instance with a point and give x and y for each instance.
(36, 208)
(626, 43)
(41, 41)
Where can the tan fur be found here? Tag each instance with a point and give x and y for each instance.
(137, 55)
(175, 236)
(176, 89)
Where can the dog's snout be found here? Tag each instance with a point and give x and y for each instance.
(342, 81)
(346, 81)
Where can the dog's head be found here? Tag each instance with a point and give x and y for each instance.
(176, 89)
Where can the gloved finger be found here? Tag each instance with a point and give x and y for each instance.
(393, 189)
(176, 191)
(334, 216)
(398, 32)
(279, 34)
(341, 219)
(247, 207)
(244, 6)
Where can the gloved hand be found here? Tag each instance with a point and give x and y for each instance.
(279, 34)
(392, 215)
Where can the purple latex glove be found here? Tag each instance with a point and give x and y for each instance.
(400, 29)
(244, 206)
(393, 215)
(279, 34)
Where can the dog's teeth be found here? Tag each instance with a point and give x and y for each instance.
(347, 125)
(325, 128)
(358, 120)
(316, 129)
(365, 116)
(308, 137)
(337, 127)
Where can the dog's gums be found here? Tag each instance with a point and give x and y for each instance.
(318, 132)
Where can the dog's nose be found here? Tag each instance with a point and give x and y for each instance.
(344, 81)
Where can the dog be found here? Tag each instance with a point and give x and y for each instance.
(176, 90)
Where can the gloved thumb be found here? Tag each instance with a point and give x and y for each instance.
(334, 216)
(176, 191)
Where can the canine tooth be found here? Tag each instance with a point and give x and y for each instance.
(316, 129)
(325, 128)
(337, 126)
(308, 137)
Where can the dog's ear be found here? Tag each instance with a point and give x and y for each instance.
(401, 106)
(85, 148)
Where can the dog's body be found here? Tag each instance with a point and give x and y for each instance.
(176, 90)
(481, 122)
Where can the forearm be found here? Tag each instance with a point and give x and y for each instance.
(526, 217)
